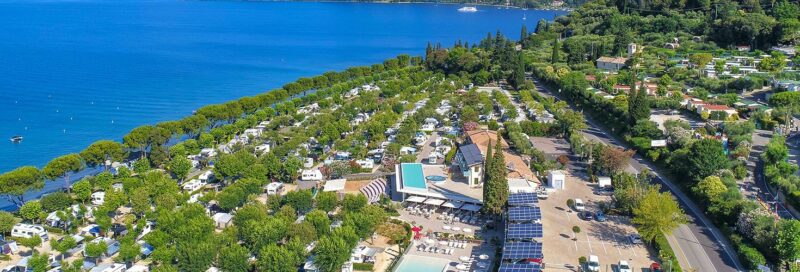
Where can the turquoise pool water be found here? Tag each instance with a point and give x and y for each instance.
(414, 263)
(412, 176)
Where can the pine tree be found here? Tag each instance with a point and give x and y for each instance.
(554, 57)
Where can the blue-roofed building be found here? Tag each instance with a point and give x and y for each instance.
(470, 161)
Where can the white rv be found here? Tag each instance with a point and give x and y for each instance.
(193, 185)
(27, 231)
(274, 188)
(366, 164)
(313, 174)
(98, 198)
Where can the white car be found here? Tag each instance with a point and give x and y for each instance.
(579, 205)
(635, 239)
(623, 266)
(593, 264)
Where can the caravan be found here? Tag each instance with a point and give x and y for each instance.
(366, 164)
(274, 188)
(27, 231)
(98, 198)
(193, 185)
(313, 174)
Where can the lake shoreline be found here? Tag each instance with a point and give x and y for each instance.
(98, 99)
(565, 9)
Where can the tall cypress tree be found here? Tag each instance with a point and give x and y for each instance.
(487, 179)
(523, 34)
(518, 77)
(496, 188)
(500, 181)
(541, 26)
(487, 165)
(428, 50)
(554, 57)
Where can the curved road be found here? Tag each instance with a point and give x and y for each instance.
(700, 245)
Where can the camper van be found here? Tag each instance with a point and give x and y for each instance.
(314, 174)
(207, 176)
(98, 198)
(27, 231)
(366, 164)
(193, 185)
(274, 188)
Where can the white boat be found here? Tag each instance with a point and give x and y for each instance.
(16, 139)
(468, 9)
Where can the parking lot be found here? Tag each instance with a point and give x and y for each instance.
(608, 240)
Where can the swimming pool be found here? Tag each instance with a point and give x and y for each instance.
(436, 179)
(414, 263)
(412, 176)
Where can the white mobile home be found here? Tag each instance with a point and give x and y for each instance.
(206, 176)
(27, 231)
(274, 188)
(308, 162)
(98, 198)
(252, 132)
(313, 174)
(115, 267)
(193, 185)
(263, 148)
(603, 181)
(366, 164)
(208, 152)
(407, 150)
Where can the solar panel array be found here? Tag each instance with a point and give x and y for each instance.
(528, 267)
(522, 250)
(522, 199)
(524, 231)
(524, 213)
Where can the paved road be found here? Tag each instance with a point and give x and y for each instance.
(700, 244)
(762, 190)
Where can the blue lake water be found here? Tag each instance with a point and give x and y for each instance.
(73, 72)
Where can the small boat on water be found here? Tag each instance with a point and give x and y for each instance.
(16, 139)
(468, 9)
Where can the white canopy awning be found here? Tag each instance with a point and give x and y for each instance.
(417, 199)
(434, 201)
(471, 207)
(452, 204)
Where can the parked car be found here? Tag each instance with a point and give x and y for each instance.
(585, 215)
(635, 239)
(541, 194)
(593, 264)
(623, 266)
(579, 205)
(655, 267)
(600, 216)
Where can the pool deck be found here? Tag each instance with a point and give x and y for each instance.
(471, 249)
